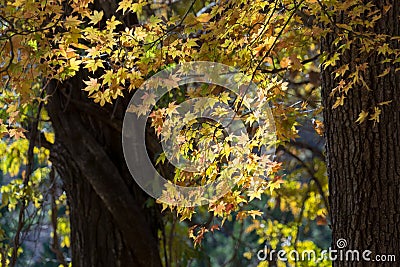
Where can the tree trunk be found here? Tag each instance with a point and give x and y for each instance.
(109, 224)
(364, 159)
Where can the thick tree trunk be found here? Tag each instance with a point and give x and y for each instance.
(109, 224)
(364, 159)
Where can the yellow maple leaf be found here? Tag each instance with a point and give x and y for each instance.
(74, 64)
(362, 116)
(97, 16)
(92, 86)
(124, 5)
(339, 101)
(385, 103)
(375, 117)
(274, 185)
(254, 194)
(93, 65)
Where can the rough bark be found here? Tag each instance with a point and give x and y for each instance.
(364, 159)
(109, 224)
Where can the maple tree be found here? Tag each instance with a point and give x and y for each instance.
(69, 69)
